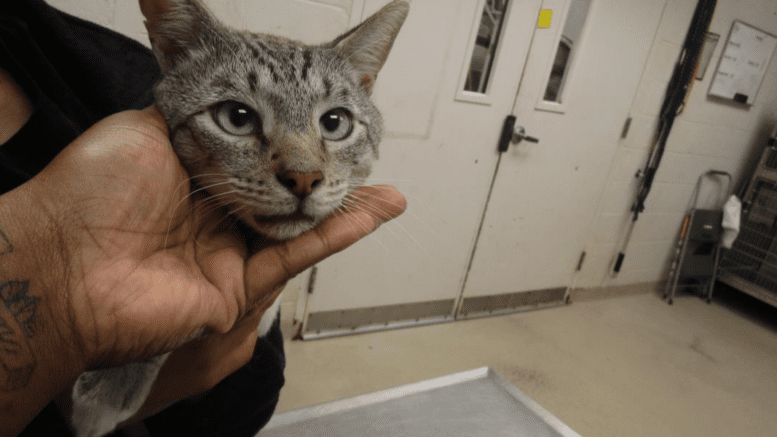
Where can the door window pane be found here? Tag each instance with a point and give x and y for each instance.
(483, 54)
(570, 36)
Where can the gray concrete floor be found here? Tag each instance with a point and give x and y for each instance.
(628, 366)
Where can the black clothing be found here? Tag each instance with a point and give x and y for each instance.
(76, 73)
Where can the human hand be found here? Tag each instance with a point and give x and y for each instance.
(150, 268)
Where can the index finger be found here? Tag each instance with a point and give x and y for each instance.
(368, 208)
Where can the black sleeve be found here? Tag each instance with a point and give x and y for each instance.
(74, 73)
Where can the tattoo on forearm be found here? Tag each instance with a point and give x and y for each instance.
(18, 311)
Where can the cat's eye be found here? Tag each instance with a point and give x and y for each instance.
(336, 124)
(236, 118)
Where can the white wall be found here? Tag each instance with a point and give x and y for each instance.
(708, 134)
(312, 21)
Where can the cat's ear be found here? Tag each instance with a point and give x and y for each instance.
(367, 46)
(174, 26)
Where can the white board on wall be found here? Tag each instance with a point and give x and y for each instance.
(743, 63)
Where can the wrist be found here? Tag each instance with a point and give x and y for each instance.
(40, 355)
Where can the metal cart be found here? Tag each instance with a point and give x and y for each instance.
(698, 250)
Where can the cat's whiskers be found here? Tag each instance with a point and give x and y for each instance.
(359, 199)
(198, 190)
(380, 216)
(376, 211)
(361, 226)
(212, 202)
(235, 212)
(382, 180)
(409, 212)
(224, 217)
(371, 180)
(230, 218)
(384, 217)
(187, 197)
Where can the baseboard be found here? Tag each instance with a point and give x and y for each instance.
(588, 294)
(360, 320)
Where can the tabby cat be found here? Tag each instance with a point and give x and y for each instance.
(278, 132)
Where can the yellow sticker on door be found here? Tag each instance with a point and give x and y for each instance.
(544, 20)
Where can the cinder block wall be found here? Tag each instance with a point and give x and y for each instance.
(309, 20)
(709, 134)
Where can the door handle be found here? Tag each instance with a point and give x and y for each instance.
(519, 134)
(513, 134)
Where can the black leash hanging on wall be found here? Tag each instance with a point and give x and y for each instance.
(677, 90)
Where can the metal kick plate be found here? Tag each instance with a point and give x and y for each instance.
(343, 322)
(478, 402)
(511, 302)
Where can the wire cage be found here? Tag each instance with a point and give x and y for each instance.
(751, 264)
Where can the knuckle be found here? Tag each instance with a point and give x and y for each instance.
(326, 244)
(284, 260)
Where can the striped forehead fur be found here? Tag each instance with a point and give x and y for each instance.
(253, 64)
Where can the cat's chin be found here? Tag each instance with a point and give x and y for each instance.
(283, 228)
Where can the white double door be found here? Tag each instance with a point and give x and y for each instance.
(455, 242)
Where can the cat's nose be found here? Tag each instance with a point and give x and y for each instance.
(301, 184)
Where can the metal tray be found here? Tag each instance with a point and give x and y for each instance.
(477, 402)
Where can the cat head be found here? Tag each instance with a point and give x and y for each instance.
(277, 131)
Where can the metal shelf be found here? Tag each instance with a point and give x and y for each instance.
(750, 265)
(744, 286)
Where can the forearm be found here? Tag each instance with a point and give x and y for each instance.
(38, 354)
